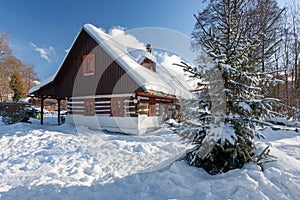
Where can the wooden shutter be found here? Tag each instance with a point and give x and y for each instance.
(152, 107)
(89, 107)
(117, 107)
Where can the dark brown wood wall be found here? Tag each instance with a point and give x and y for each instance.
(103, 106)
(109, 77)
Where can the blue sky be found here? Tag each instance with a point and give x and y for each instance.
(41, 31)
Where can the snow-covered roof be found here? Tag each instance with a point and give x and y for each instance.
(43, 83)
(140, 54)
(25, 99)
(129, 59)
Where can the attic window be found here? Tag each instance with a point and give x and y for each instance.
(88, 64)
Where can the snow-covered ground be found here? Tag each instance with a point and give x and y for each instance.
(65, 162)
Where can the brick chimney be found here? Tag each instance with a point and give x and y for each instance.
(149, 60)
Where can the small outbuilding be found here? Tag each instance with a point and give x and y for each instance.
(112, 87)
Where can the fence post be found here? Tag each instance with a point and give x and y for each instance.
(58, 111)
(42, 110)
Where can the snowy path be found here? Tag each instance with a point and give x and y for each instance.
(62, 162)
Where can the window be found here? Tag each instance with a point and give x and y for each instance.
(89, 107)
(88, 64)
(152, 107)
(117, 106)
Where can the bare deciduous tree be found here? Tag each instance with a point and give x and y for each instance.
(10, 64)
(5, 50)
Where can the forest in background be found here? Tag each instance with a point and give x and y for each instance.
(278, 50)
(285, 62)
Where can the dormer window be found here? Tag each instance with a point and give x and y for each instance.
(88, 64)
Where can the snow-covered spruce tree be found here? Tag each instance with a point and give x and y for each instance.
(223, 126)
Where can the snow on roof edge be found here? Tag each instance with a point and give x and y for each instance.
(103, 41)
(132, 67)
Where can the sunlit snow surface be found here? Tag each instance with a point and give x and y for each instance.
(64, 162)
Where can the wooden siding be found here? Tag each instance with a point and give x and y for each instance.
(131, 106)
(109, 77)
(103, 106)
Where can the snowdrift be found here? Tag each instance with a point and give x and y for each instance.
(65, 162)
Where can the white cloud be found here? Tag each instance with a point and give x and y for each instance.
(119, 34)
(168, 62)
(46, 53)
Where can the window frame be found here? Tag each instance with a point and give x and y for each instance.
(86, 65)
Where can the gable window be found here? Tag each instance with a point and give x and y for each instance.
(89, 107)
(88, 64)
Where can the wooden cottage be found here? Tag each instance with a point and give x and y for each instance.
(113, 87)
